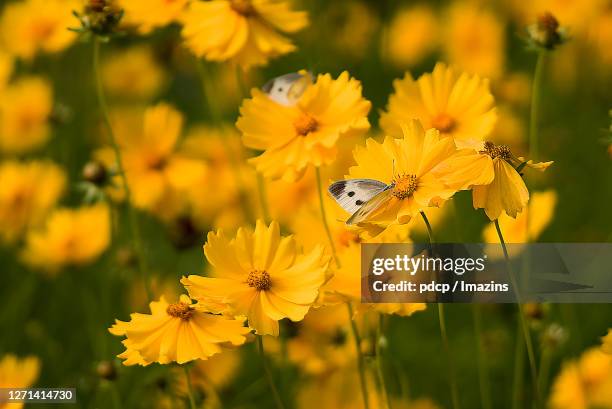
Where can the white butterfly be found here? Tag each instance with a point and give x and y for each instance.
(360, 197)
(287, 89)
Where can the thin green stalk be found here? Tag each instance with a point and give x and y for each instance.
(360, 361)
(535, 106)
(519, 365)
(545, 360)
(268, 372)
(442, 321)
(134, 227)
(192, 404)
(523, 321)
(380, 373)
(483, 371)
(324, 217)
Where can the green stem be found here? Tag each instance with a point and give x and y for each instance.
(483, 374)
(379, 362)
(545, 359)
(523, 321)
(268, 372)
(324, 217)
(535, 106)
(519, 365)
(134, 227)
(442, 321)
(192, 404)
(360, 361)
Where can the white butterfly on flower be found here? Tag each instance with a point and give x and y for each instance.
(360, 197)
(287, 89)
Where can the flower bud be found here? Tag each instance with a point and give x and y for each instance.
(106, 370)
(546, 32)
(95, 172)
(100, 17)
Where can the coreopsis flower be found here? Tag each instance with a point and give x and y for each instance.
(607, 343)
(411, 36)
(70, 237)
(6, 68)
(28, 192)
(180, 332)
(148, 15)
(409, 166)
(306, 133)
(457, 104)
(155, 171)
(17, 373)
(474, 40)
(260, 275)
(32, 26)
(25, 109)
(529, 224)
(133, 73)
(245, 31)
(500, 187)
(584, 383)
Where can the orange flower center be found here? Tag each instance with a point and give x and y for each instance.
(496, 151)
(346, 237)
(242, 7)
(305, 124)
(260, 280)
(404, 186)
(180, 310)
(443, 123)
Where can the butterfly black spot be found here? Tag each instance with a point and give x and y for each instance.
(359, 202)
(280, 89)
(351, 194)
(337, 188)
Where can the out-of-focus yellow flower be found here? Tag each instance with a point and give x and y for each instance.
(70, 237)
(585, 383)
(607, 342)
(6, 68)
(410, 165)
(474, 40)
(514, 88)
(25, 108)
(458, 105)
(305, 134)
(600, 36)
(179, 332)
(133, 73)
(411, 36)
(353, 25)
(27, 193)
(155, 171)
(529, 224)
(28, 27)
(260, 275)
(246, 31)
(505, 189)
(17, 373)
(150, 14)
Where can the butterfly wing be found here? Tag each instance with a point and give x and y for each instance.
(287, 89)
(352, 194)
(370, 207)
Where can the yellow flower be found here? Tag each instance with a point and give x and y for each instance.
(27, 193)
(410, 166)
(458, 105)
(246, 31)
(150, 14)
(133, 73)
(155, 172)
(296, 137)
(28, 27)
(179, 332)
(260, 275)
(475, 40)
(585, 383)
(17, 373)
(70, 237)
(540, 213)
(607, 342)
(25, 108)
(496, 184)
(411, 36)
(6, 68)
